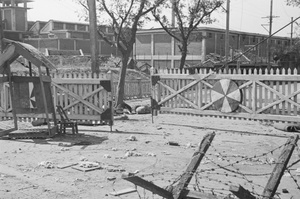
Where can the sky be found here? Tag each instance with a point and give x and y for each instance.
(245, 15)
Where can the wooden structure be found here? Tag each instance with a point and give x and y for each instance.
(31, 95)
(180, 189)
(257, 96)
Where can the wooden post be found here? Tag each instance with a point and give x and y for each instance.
(1, 33)
(11, 87)
(148, 185)
(44, 99)
(93, 35)
(278, 170)
(241, 193)
(178, 190)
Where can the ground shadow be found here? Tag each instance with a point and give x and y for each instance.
(67, 140)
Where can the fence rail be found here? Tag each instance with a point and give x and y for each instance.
(271, 96)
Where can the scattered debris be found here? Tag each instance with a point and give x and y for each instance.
(47, 164)
(114, 149)
(132, 138)
(131, 153)
(151, 154)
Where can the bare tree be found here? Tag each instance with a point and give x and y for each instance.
(124, 17)
(293, 2)
(188, 14)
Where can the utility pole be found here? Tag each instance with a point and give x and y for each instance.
(270, 33)
(1, 33)
(227, 36)
(292, 29)
(93, 35)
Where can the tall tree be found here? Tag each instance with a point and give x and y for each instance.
(188, 14)
(124, 17)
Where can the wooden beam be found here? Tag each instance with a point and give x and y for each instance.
(6, 132)
(188, 194)
(148, 185)
(278, 170)
(178, 190)
(241, 193)
(7, 54)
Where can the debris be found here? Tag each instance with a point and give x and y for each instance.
(151, 154)
(131, 153)
(82, 143)
(107, 156)
(143, 109)
(86, 164)
(121, 117)
(173, 143)
(111, 178)
(159, 128)
(83, 159)
(63, 166)
(285, 191)
(47, 164)
(123, 191)
(64, 149)
(132, 138)
(114, 149)
(147, 141)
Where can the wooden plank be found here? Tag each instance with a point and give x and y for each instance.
(6, 132)
(277, 98)
(241, 192)
(171, 90)
(243, 77)
(7, 54)
(280, 167)
(283, 106)
(289, 91)
(79, 98)
(148, 186)
(184, 88)
(79, 168)
(213, 113)
(189, 194)
(193, 165)
(123, 191)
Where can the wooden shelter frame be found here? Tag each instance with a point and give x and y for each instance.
(13, 50)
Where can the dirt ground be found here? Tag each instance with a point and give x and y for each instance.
(243, 153)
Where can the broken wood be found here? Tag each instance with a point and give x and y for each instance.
(241, 192)
(280, 167)
(147, 185)
(193, 165)
(123, 191)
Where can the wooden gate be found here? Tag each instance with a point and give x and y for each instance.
(254, 96)
(82, 96)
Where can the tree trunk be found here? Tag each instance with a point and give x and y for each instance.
(183, 56)
(122, 75)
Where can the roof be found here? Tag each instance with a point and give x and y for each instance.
(15, 49)
(208, 29)
(16, 1)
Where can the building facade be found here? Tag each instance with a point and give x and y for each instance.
(160, 50)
